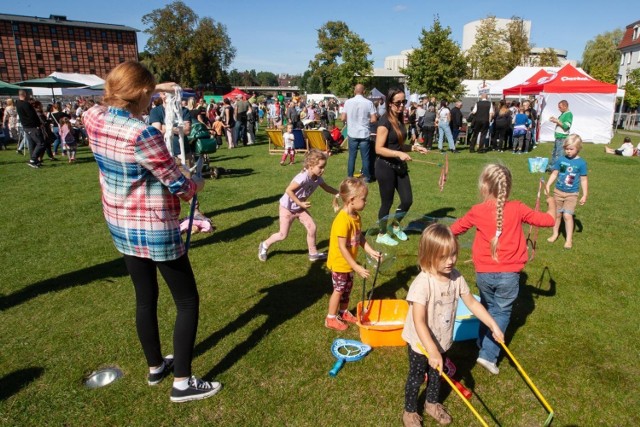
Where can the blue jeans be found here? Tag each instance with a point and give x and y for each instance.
(557, 151)
(363, 145)
(498, 291)
(445, 129)
(58, 141)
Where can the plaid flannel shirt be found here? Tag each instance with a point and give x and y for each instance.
(141, 184)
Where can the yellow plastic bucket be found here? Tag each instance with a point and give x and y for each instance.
(382, 325)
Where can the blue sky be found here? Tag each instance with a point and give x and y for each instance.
(281, 36)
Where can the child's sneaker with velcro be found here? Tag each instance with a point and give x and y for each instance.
(346, 316)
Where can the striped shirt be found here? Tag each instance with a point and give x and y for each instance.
(141, 184)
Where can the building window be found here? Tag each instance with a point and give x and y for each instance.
(121, 59)
(105, 46)
(74, 58)
(92, 70)
(72, 45)
(34, 29)
(70, 31)
(622, 59)
(54, 43)
(628, 57)
(18, 41)
(636, 31)
(87, 33)
(53, 30)
(103, 34)
(119, 35)
(3, 70)
(1, 55)
(39, 56)
(36, 42)
(58, 69)
(106, 59)
(14, 27)
(89, 46)
(120, 47)
(90, 58)
(56, 57)
(40, 70)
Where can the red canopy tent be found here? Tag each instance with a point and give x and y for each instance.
(235, 92)
(592, 102)
(524, 87)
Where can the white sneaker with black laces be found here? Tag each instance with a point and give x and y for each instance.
(319, 256)
(198, 389)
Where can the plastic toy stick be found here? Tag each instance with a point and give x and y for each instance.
(194, 202)
(531, 385)
(373, 285)
(453, 387)
(426, 162)
(533, 242)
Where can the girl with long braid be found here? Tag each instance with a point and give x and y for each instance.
(499, 250)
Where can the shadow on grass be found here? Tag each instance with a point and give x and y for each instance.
(113, 268)
(234, 173)
(249, 205)
(279, 304)
(225, 158)
(234, 233)
(17, 380)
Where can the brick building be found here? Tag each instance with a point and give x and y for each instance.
(33, 47)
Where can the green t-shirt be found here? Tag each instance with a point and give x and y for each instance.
(566, 119)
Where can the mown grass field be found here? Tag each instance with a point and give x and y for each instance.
(67, 305)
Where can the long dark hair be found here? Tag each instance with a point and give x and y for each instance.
(394, 119)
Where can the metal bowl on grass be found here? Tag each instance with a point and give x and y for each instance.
(102, 377)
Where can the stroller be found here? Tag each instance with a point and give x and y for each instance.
(202, 144)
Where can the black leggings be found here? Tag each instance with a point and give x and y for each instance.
(182, 284)
(418, 366)
(389, 181)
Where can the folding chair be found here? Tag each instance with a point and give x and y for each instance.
(315, 139)
(276, 142)
(299, 143)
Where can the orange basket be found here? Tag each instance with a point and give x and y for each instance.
(382, 325)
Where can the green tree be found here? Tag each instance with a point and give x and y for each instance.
(310, 83)
(517, 41)
(184, 48)
(488, 57)
(266, 78)
(342, 59)
(548, 58)
(601, 56)
(354, 68)
(632, 90)
(437, 67)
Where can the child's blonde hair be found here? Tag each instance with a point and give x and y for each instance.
(573, 139)
(437, 241)
(495, 182)
(349, 188)
(313, 157)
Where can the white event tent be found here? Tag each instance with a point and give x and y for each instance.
(86, 79)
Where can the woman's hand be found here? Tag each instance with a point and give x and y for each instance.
(404, 156)
(199, 182)
(166, 87)
(419, 148)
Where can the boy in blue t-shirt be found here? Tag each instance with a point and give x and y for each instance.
(571, 172)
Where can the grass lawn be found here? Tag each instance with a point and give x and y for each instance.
(67, 304)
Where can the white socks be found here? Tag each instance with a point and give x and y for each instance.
(158, 369)
(181, 384)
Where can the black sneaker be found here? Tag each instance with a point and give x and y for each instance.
(153, 379)
(198, 389)
(34, 165)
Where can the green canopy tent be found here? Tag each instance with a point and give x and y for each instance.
(50, 82)
(8, 88)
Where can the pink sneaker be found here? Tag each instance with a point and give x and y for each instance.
(348, 317)
(335, 324)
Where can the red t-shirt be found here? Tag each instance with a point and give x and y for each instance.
(512, 245)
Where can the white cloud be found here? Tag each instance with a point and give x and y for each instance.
(399, 8)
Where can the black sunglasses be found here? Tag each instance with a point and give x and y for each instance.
(400, 103)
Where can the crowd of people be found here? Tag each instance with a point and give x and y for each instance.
(142, 184)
